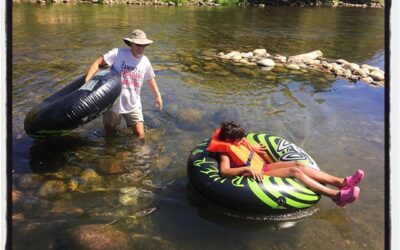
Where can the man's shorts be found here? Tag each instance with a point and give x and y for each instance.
(113, 119)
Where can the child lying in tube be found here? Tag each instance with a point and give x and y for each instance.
(232, 134)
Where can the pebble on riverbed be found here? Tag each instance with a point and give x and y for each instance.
(309, 61)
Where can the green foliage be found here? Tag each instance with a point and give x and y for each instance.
(230, 2)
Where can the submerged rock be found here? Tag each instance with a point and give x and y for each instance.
(16, 196)
(99, 237)
(65, 207)
(128, 196)
(90, 176)
(109, 166)
(52, 188)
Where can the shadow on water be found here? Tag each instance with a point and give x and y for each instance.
(213, 212)
(53, 153)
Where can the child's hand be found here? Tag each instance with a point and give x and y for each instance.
(159, 103)
(259, 148)
(257, 175)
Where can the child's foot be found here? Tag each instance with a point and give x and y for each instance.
(354, 180)
(347, 196)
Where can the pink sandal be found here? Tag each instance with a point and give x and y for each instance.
(354, 180)
(347, 196)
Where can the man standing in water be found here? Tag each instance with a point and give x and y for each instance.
(134, 68)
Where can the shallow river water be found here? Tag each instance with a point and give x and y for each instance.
(80, 178)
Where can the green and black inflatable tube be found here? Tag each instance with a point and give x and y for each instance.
(76, 104)
(273, 195)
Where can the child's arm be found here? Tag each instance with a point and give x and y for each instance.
(226, 170)
(94, 67)
(156, 92)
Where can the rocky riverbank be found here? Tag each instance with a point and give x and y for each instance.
(312, 61)
(372, 4)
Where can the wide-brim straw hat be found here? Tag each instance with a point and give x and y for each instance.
(138, 37)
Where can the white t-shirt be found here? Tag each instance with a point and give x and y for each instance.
(134, 71)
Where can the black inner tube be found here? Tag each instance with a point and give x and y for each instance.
(75, 105)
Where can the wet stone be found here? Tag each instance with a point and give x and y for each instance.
(17, 196)
(99, 237)
(191, 116)
(266, 63)
(123, 154)
(377, 75)
(90, 176)
(293, 66)
(76, 184)
(17, 218)
(28, 181)
(128, 196)
(109, 166)
(33, 204)
(58, 175)
(163, 162)
(52, 188)
(73, 170)
(65, 207)
(131, 178)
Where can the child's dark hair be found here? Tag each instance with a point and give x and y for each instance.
(231, 131)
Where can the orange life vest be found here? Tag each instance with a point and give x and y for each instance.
(241, 154)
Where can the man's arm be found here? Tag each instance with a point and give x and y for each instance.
(94, 67)
(154, 88)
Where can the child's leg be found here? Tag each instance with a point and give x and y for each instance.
(289, 169)
(308, 181)
(317, 175)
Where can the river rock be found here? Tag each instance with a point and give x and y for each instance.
(191, 116)
(341, 61)
(236, 58)
(247, 55)
(128, 196)
(312, 61)
(260, 52)
(99, 237)
(363, 72)
(17, 218)
(292, 66)
(73, 170)
(90, 176)
(367, 79)
(132, 177)
(280, 58)
(234, 54)
(109, 166)
(266, 62)
(307, 56)
(52, 188)
(377, 75)
(65, 207)
(354, 78)
(34, 204)
(351, 66)
(369, 67)
(347, 73)
(326, 65)
(28, 181)
(17, 196)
